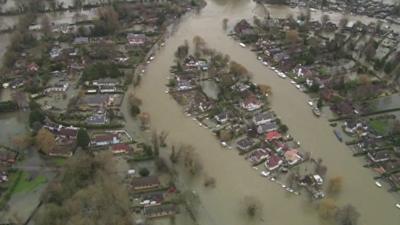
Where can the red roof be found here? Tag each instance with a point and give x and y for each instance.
(273, 161)
(120, 148)
(273, 135)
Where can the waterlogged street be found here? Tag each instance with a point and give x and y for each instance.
(234, 177)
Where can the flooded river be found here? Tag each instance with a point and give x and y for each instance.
(235, 178)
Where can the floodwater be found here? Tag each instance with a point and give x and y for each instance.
(235, 178)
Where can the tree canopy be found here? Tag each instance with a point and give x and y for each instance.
(101, 70)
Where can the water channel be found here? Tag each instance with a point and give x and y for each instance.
(235, 178)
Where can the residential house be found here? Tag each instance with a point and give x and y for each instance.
(98, 118)
(222, 117)
(33, 67)
(379, 156)
(64, 149)
(273, 135)
(243, 27)
(120, 148)
(160, 211)
(251, 103)
(145, 183)
(105, 139)
(245, 144)
(136, 39)
(258, 156)
(267, 127)
(59, 87)
(265, 117)
(67, 132)
(292, 156)
(106, 82)
(81, 41)
(273, 162)
(8, 156)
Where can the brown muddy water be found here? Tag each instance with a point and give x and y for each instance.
(235, 178)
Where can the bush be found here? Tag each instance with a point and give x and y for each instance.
(36, 116)
(135, 110)
(144, 172)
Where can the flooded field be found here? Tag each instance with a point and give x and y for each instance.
(235, 178)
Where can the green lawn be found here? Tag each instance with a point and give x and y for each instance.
(380, 126)
(24, 185)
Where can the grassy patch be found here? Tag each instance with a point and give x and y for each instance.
(26, 185)
(59, 161)
(380, 126)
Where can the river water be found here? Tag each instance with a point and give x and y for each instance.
(235, 178)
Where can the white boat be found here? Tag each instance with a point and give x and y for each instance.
(265, 173)
(298, 86)
(254, 167)
(398, 205)
(242, 44)
(310, 103)
(223, 144)
(292, 82)
(259, 58)
(265, 63)
(378, 184)
(284, 186)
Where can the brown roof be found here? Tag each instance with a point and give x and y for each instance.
(143, 182)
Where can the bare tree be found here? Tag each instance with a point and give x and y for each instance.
(327, 208)
(252, 207)
(335, 185)
(163, 137)
(347, 215)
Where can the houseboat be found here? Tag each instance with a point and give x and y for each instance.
(338, 136)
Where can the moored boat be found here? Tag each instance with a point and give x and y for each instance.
(338, 136)
(378, 184)
(316, 112)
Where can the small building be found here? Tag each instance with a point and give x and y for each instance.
(136, 39)
(145, 183)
